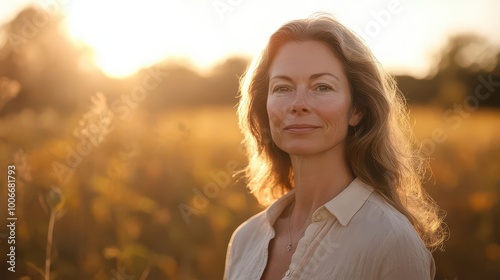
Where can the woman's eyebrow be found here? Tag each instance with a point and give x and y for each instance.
(315, 76)
(312, 77)
(282, 77)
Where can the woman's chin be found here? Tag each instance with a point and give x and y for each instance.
(301, 150)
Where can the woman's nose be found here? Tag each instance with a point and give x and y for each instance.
(299, 103)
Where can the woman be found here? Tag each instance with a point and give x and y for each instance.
(328, 145)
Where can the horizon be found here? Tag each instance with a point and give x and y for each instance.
(401, 34)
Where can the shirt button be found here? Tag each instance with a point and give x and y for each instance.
(317, 218)
(287, 272)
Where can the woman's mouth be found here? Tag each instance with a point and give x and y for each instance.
(301, 128)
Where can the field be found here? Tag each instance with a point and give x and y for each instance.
(154, 197)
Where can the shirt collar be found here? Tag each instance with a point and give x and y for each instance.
(275, 210)
(347, 203)
(344, 206)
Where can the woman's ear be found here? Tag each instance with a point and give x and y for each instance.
(355, 117)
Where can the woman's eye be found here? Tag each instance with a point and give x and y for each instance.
(323, 88)
(281, 89)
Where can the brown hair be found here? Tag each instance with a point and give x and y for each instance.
(379, 151)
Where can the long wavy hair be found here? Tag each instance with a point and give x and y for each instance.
(380, 150)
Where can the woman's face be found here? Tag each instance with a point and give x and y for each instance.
(309, 99)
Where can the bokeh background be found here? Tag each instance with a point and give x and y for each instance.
(120, 119)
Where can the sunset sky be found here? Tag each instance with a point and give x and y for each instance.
(128, 35)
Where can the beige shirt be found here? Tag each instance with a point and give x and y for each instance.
(356, 235)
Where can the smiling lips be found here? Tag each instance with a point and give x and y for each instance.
(301, 128)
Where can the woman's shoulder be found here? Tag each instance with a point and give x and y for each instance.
(250, 227)
(381, 210)
(388, 223)
(398, 244)
(246, 242)
(243, 246)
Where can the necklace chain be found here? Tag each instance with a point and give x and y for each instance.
(289, 246)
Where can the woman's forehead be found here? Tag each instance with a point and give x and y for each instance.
(308, 58)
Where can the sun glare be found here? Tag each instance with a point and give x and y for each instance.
(128, 35)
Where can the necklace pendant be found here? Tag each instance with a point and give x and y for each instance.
(289, 247)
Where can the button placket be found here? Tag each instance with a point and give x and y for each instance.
(317, 217)
(301, 248)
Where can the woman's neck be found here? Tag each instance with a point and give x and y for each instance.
(318, 178)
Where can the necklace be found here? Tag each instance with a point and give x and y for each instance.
(289, 246)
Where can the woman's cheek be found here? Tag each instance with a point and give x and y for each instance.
(274, 111)
(274, 123)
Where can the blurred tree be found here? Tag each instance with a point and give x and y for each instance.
(460, 63)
